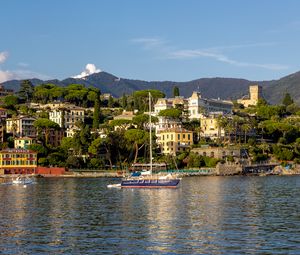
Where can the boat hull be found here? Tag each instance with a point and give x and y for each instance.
(151, 183)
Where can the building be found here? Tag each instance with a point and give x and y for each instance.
(169, 103)
(3, 114)
(18, 161)
(23, 142)
(21, 126)
(126, 115)
(67, 118)
(55, 137)
(209, 126)
(165, 123)
(5, 92)
(174, 140)
(2, 128)
(220, 152)
(197, 105)
(255, 93)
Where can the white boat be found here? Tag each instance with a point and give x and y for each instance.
(147, 178)
(23, 180)
(116, 185)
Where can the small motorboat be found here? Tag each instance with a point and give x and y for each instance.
(23, 180)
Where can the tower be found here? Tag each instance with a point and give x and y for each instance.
(255, 92)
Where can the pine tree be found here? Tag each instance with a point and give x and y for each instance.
(287, 100)
(26, 90)
(96, 117)
(175, 91)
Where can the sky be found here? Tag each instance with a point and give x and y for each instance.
(176, 40)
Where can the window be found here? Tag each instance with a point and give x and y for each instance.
(189, 136)
(178, 136)
(183, 136)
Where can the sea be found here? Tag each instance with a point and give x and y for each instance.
(204, 215)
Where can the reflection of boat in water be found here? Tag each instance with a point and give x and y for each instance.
(149, 180)
(23, 180)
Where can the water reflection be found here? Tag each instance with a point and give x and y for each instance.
(208, 215)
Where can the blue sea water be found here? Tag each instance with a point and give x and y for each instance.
(205, 215)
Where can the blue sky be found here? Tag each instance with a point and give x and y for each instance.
(150, 39)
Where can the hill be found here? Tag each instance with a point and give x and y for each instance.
(224, 88)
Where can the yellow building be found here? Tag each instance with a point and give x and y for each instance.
(18, 161)
(209, 127)
(23, 142)
(174, 140)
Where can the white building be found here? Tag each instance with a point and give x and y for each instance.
(67, 118)
(21, 126)
(169, 103)
(197, 105)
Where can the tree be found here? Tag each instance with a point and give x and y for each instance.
(136, 137)
(48, 92)
(45, 125)
(96, 117)
(124, 101)
(141, 98)
(26, 90)
(175, 91)
(110, 103)
(40, 149)
(287, 100)
(11, 101)
(121, 124)
(101, 146)
(142, 120)
(246, 127)
(171, 113)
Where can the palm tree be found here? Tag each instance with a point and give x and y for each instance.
(246, 127)
(222, 122)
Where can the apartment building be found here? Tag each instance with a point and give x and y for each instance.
(174, 140)
(21, 126)
(67, 118)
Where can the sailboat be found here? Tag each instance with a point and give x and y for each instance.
(151, 180)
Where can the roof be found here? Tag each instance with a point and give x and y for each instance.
(176, 130)
(8, 150)
(23, 138)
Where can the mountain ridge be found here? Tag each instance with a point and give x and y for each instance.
(218, 87)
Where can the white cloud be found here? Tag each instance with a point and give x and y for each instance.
(149, 42)
(19, 74)
(169, 52)
(5, 76)
(3, 56)
(188, 54)
(89, 69)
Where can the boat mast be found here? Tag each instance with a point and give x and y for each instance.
(150, 133)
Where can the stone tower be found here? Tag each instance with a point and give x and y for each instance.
(255, 92)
